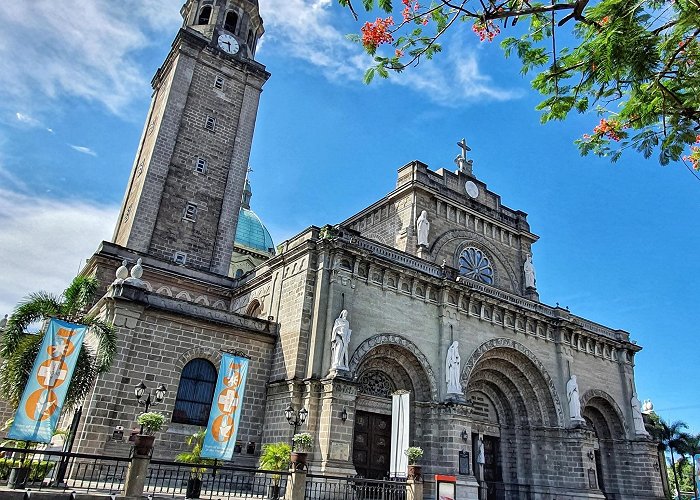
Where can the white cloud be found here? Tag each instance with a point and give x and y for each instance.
(83, 149)
(82, 48)
(29, 121)
(305, 29)
(62, 235)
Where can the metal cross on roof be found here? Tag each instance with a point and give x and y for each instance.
(463, 146)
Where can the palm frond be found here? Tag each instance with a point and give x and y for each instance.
(78, 296)
(106, 341)
(34, 307)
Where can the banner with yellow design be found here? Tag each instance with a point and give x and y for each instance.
(45, 392)
(225, 414)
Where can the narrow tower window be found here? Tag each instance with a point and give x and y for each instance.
(210, 123)
(200, 165)
(190, 212)
(219, 82)
(204, 15)
(180, 258)
(231, 21)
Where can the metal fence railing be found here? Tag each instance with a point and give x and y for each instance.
(214, 481)
(37, 469)
(320, 487)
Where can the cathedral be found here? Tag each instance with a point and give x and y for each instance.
(430, 292)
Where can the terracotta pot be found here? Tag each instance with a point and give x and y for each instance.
(414, 472)
(298, 460)
(143, 444)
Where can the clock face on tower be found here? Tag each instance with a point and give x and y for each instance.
(228, 44)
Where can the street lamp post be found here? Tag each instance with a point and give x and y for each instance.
(140, 390)
(295, 418)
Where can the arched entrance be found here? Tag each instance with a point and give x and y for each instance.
(513, 401)
(605, 418)
(383, 365)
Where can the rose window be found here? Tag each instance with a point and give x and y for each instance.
(475, 265)
(374, 383)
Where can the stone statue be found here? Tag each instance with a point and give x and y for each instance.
(340, 338)
(422, 228)
(452, 369)
(637, 415)
(573, 397)
(480, 456)
(529, 270)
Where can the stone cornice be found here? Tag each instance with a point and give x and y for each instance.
(152, 300)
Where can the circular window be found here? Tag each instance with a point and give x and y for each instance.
(475, 265)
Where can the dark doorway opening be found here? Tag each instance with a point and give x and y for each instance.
(372, 445)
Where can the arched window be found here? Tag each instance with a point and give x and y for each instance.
(239, 273)
(204, 15)
(474, 264)
(253, 309)
(195, 392)
(231, 21)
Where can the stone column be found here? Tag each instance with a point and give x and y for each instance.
(414, 489)
(136, 478)
(296, 485)
(334, 434)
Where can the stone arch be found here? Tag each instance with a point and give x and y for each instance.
(603, 411)
(384, 345)
(202, 300)
(525, 371)
(469, 238)
(184, 296)
(198, 352)
(164, 290)
(148, 286)
(219, 304)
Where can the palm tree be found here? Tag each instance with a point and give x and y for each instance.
(691, 446)
(672, 439)
(19, 348)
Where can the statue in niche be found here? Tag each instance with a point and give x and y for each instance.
(637, 415)
(573, 397)
(529, 269)
(452, 369)
(422, 228)
(340, 338)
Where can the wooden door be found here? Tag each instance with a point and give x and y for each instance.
(372, 445)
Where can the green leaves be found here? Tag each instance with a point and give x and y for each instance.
(635, 62)
(19, 348)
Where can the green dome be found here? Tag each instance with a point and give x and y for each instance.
(252, 234)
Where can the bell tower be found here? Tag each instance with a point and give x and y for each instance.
(186, 184)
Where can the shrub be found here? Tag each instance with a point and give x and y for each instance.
(152, 422)
(302, 442)
(413, 453)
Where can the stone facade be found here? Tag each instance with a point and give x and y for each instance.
(406, 304)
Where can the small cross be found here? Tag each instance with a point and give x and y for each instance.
(229, 400)
(463, 146)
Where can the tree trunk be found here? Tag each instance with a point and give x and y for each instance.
(675, 472)
(695, 479)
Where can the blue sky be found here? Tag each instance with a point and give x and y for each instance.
(617, 241)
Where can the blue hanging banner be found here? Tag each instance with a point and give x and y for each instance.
(45, 392)
(225, 414)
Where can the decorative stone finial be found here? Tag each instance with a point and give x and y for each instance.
(647, 407)
(122, 273)
(137, 270)
(136, 273)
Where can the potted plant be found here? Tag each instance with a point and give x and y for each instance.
(414, 470)
(275, 457)
(194, 482)
(150, 422)
(302, 447)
